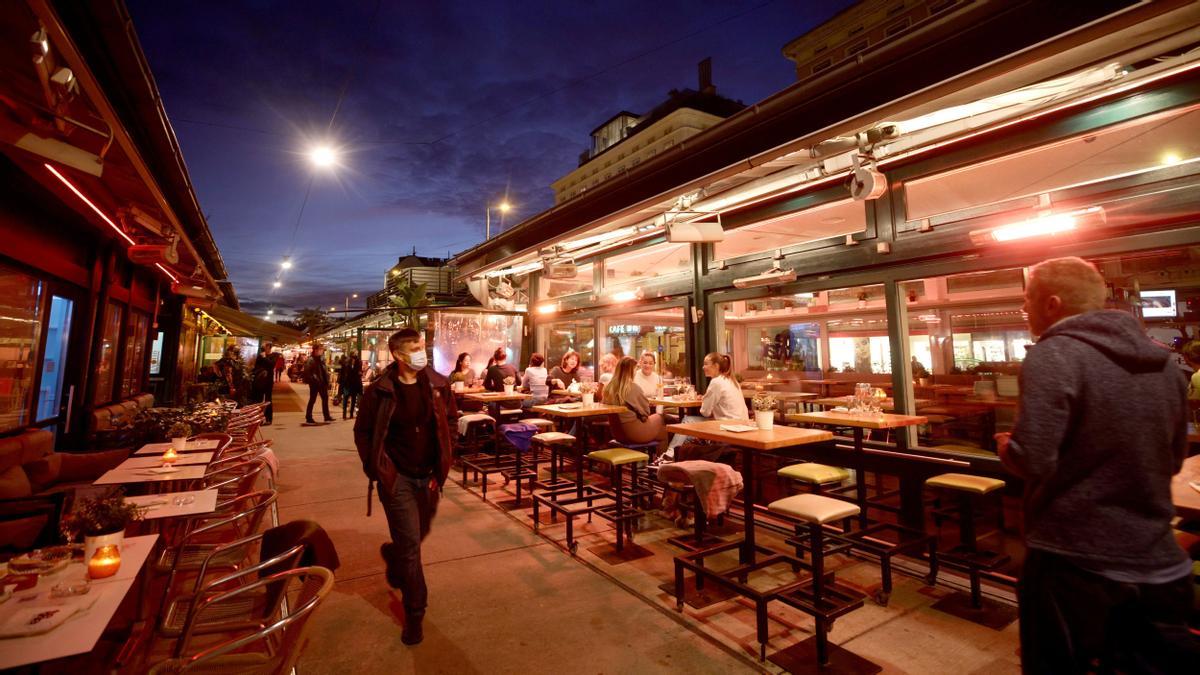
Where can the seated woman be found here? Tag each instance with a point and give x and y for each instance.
(536, 381)
(646, 377)
(723, 399)
(566, 372)
(608, 363)
(639, 424)
(501, 369)
(462, 370)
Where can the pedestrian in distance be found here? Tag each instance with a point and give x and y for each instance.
(1101, 429)
(352, 386)
(317, 377)
(261, 383)
(403, 438)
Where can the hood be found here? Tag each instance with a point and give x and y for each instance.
(1118, 335)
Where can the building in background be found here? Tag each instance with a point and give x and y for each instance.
(436, 273)
(628, 139)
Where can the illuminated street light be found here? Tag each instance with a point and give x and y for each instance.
(502, 207)
(286, 264)
(277, 284)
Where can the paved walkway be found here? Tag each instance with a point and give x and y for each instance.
(502, 600)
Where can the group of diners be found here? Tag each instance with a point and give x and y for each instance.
(623, 381)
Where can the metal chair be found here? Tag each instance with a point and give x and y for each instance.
(276, 644)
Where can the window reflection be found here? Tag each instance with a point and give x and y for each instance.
(106, 364)
(580, 282)
(660, 332)
(652, 262)
(20, 328)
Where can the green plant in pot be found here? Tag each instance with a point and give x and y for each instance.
(178, 433)
(102, 520)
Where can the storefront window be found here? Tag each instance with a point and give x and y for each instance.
(1143, 145)
(647, 264)
(560, 337)
(660, 332)
(20, 329)
(820, 222)
(106, 364)
(478, 334)
(581, 281)
(135, 352)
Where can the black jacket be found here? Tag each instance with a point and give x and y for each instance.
(315, 373)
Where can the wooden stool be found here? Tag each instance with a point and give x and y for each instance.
(967, 556)
(568, 498)
(824, 599)
(616, 459)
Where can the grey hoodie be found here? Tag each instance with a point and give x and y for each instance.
(1101, 429)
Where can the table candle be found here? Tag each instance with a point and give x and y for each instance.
(105, 562)
(170, 456)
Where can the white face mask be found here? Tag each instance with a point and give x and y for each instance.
(416, 360)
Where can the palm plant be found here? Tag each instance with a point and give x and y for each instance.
(409, 299)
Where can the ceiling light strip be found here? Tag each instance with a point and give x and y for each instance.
(89, 203)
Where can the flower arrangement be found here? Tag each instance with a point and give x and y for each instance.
(102, 514)
(763, 402)
(179, 430)
(509, 380)
(588, 387)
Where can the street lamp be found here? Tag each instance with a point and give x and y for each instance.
(352, 295)
(287, 263)
(277, 284)
(503, 207)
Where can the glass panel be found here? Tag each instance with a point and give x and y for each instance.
(20, 330)
(1140, 146)
(478, 335)
(156, 354)
(106, 364)
(58, 334)
(660, 332)
(820, 222)
(135, 352)
(560, 337)
(652, 262)
(554, 288)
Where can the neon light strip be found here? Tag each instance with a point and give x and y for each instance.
(167, 272)
(89, 203)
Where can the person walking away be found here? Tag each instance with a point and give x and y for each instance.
(352, 386)
(261, 384)
(403, 438)
(1101, 429)
(317, 377)
(500, 369)
(280, 365)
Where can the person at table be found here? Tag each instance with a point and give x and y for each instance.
(723, 400)
(535, 380)
(647, 376)
(1101, 429)
(608, 364)
(500, 369)
(403, 439)
(462, 370)
(566, 372)
(639, 423)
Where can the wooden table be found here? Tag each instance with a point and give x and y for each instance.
(151, 462)
(163, 505)
(751, 384)
(858, 422)
(79, 634)
(747, 442)
(847, 401)
(127, 476)
(192, 446)
(1185, 497)
(823, 385)
(675, 402)
(493, 399)
(566, 411)
(566, 392)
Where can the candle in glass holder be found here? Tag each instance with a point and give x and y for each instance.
(170, 455)
(105, 562)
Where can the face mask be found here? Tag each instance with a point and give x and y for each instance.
(416, 360)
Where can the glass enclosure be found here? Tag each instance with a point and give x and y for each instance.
(58, 334)
(647, 264)
(582, 280)
(478, 334)
(660, 332)
(556, 339)
(106, 364)
(20, 331)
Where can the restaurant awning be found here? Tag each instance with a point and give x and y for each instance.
(244, 325)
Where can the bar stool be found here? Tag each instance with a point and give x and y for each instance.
(570, 498)
(822, 597)
(969, 490)
(549, 444)
(616, 459)
(478, 431)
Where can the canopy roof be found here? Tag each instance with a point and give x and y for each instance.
(242, 324)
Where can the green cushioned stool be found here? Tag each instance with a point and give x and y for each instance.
(620, 517)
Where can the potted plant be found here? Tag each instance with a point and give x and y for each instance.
(764, 405)
(509, 382)
(102, 520)
(178, 433)
(588, 391)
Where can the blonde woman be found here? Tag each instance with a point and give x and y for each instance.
(639, 424)
(647, 376)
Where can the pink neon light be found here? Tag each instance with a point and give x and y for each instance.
(89, 203)
(167, 272)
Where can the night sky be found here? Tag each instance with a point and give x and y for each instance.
(439, 108)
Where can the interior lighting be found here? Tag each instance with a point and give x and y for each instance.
(167, 272)
(1052, 224)
(546, 309)
(1170, 158)
(625, 296)
(95, 208)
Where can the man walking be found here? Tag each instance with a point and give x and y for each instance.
(317, 377)
(403, 438)
(1100, 430)
(262, 384)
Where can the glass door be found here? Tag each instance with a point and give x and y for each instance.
(54, 402)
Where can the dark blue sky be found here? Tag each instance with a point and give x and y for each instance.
(446, 105)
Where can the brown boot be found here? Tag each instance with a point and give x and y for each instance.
(413, 633)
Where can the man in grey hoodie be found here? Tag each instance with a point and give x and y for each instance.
(1101, 429)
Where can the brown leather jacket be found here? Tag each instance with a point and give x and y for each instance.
(375, 414)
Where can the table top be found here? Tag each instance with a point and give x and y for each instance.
(885, 403)
(153, 461)
(763, 383)
(119, 476)
(81, 632)
(192, 446)
(491, 396)
(578, 409)
(1185, 497)
(565, 392)
(675, 402)
(164, 506)
(865, 421)
(759, 439)
(783, 395)
(469, 390)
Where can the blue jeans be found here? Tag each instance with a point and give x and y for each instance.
(679, 439)
(409, 508)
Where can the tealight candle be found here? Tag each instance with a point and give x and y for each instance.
(105, 562)
(170, 455)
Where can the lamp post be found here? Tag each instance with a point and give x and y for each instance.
(502, 207)
(352, 295)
